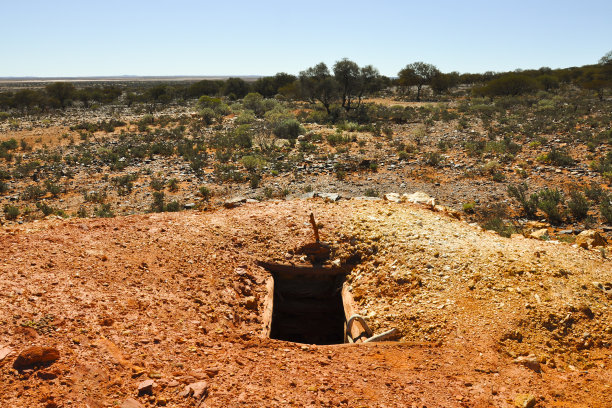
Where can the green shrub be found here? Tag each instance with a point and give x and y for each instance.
(11, 212)
(254, 180)
(433, 159)
(498, 225)
(173, 206)
(606, 209)
(82, 212)
(32, 192)
(370, 192)
(549, 201)
(288, 129)
(208, 116)
(559, 157)
(158, 201)
(246, 117)
(205, 193)
(469, 207)
(498, 176)
(104, 211)
(173, 184)
(45, 209)
(511, 84)
(252, 163)
(157, 184)
(595, 193)
(578, 205)
(124, 183)
(529, 203)
(338, 139)
(95, 196)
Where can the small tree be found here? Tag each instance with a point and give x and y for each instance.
(346, 73)
(417, 74)
(62, 92)
(235, 88)
(317, 84)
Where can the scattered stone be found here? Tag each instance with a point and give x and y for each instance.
(189, 206)
(131, 403)
(234, 202)
(250, 302)
(539, 234)
(5, 352)
(197, 390)
(48, 374)
(530, 361)
(212, 372)
(329, 197)
(36, 356)
(366, 198)
(146, 387)
(590, 239)
(524, 401)
(419, 198)
(393, 197)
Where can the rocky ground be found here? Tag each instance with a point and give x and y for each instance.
(166, 310)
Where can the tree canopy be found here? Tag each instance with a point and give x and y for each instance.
(417, 74)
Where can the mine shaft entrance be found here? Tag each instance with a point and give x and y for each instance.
(307, 305)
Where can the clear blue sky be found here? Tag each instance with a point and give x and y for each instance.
(185, 37)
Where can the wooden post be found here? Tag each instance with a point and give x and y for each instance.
(268, 307)
(350, 309)
(314, 227)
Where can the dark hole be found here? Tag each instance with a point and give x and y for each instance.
(308, 309)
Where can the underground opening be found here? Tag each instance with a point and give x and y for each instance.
(313, 305)
(307, 304)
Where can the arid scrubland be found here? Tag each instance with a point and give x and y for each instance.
(135, 216)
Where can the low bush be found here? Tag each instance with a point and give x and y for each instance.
(578, 205)
(11, 212)
(549, 202)
(529, 203)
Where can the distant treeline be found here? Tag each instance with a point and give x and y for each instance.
(345, 84)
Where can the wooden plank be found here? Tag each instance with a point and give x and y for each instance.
(358, 332)
(268, 307)
(305, 269)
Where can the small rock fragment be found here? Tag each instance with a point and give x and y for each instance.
(197, 390)
(590, 239)
(35, 356)
(530, 361)
(212, 372)
(4, 352)
(250, 302)
(393, 197)
(524, 401)
(420, 198)
(146, 387)
(539, 234)
(131, 403)
(234, 202)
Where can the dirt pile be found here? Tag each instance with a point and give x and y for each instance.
(174, 300)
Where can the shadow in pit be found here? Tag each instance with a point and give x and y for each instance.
(307, 305)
